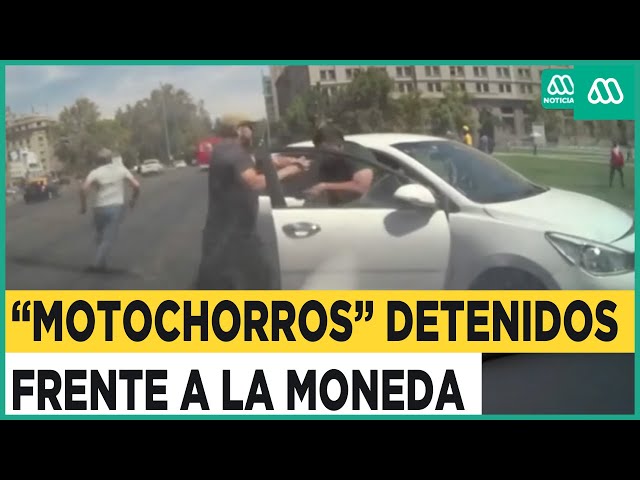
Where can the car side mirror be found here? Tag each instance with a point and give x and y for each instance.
(415, 194)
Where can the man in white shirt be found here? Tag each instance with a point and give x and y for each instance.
(108, 180)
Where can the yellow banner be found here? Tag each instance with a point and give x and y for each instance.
(320, 321)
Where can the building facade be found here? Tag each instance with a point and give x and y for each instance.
(32, 132)
(503, 90)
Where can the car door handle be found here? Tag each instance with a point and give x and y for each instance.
(301, 229)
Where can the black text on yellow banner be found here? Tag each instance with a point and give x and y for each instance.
(320, 321)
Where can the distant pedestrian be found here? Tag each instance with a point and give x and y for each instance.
(492, 144)
(108, 180)
(484, 143)
(616, 164)
(466, 136)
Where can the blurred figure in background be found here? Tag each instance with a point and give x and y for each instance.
(467, 139)
(484, 143)
(616, 164)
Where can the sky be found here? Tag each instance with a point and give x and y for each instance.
(47, 89)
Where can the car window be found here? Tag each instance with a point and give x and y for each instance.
(328, 167)
(477, 175)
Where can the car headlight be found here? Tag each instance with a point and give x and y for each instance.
(592, 257)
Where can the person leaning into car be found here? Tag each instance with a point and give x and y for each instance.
(342, 179)
(108, 180)
(232, 252)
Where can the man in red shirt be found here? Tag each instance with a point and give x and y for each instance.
(616, 162)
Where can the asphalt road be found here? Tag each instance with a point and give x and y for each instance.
(49, 244)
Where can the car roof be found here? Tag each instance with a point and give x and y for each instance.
(379, 139)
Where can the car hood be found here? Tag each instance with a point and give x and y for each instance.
(567, 212)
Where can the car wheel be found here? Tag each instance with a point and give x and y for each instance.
(507, 279)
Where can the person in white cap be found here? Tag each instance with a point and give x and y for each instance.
(108, 180)
(232, 252)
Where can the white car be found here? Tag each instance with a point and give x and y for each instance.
(151, 166)
(441, 215)
(180, 164)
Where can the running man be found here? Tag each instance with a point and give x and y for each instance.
(616, 164)
(108, 181)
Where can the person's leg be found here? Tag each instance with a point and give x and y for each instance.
(254, 271)
(214, 274)
(621, 177)
(211, 273)
(612, 170)
(99, 222)
(113, 217)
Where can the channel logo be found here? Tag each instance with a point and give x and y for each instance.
(557, 89)
(561, 85)
(602, 92)
(593, 92)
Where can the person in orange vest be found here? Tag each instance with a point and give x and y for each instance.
(467, 139)
(616, 162)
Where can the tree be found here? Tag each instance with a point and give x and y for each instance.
(111, 134)
(297, 119)
(553, 125)
(411, 114)
(451, 112)
(553, 120)
(535, 111)
(74, 134)
(167, 114)
(365, 104)
(488, 123)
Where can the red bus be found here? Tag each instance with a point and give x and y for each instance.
(204, 151)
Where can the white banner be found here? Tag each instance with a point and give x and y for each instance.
(243, 383)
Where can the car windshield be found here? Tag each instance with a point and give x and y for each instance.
(477, 175)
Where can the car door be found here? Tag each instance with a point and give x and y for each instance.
(375, 243)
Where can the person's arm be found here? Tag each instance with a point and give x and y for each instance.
(135, 186)
(84, 191)
(359, 183)
(281, 161)
(257, 181)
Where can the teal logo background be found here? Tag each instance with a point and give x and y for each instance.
(557, 89)
(592, 92)
(604, 93)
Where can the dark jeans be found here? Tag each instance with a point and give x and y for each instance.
(612, 170)
(233, 264)
(107, 222)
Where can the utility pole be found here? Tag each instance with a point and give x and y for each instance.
(268, 97)
(166, 125)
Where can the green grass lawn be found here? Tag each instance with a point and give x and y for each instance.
(583, 177)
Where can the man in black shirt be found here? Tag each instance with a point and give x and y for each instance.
(342, 179)
(232, 252)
